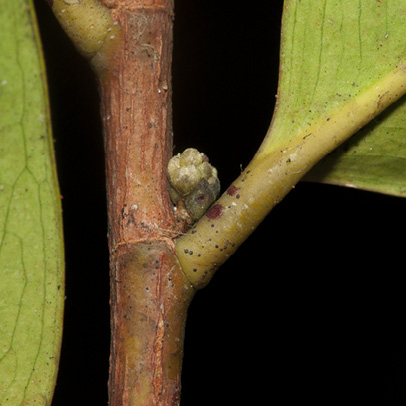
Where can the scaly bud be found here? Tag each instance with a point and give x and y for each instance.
(194, 184)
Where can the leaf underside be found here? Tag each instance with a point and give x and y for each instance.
(330, 52)
(373, 159)
(31, 243)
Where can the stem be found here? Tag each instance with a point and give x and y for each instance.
(129, 43)
(149, 301)
(136, 114)
(149, 292)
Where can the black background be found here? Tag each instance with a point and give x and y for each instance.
(311, 307)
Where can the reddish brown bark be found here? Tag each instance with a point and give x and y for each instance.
(136, 110)
(149, 299)
(149, 293)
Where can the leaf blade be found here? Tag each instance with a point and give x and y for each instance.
(342, 47)
(374, 159)
(331, 52)
(31, 243)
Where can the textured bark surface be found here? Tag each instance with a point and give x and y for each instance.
(149, 299)
(149, 292)
(136, 113)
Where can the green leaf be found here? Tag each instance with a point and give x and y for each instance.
(31, 243)
(373, 159)
(332, 53)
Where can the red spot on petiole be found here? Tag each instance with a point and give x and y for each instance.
(232, 190)
(215, 212)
